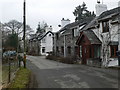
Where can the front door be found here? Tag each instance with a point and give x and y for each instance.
(85, 53)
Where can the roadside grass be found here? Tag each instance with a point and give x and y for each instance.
(5, 72)
(21, 79)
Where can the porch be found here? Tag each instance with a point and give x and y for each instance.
(89, 48)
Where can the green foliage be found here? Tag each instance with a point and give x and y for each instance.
(67, 60)
(22, 79)
(12, 41)
(81, 12)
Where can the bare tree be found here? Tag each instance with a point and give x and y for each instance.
(14, 26)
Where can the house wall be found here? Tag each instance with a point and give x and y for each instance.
(48, 43)
(65, 40)
(33, 47)
(0, 56)
(114, 32)
(119, 36)
(105, 38)
(43, 44)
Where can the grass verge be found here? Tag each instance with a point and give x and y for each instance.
(22, 79)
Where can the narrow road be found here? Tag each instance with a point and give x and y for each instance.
(52, 74)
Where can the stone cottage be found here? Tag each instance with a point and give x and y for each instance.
(99, 40)
(65, 38)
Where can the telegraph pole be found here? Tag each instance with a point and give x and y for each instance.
(24, 31)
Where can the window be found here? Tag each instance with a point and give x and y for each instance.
(49, 34)
(72, 32)
(57, 49)
(43, 49)
(75, 32)
(69, 50)
(105, 26)
(57, 36)
(90, 52)
(113, 49)
(43, 40)
(80, 51)
(96, 51)
(62, 50)
(76, 50)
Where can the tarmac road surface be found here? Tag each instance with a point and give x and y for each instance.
(52, 74)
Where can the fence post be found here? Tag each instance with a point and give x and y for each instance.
(9, 73)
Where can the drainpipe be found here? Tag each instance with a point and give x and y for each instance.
(119, 30)
(118, 52)
(0, 58)
(64, 47)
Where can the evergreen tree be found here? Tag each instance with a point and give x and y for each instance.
(12, 41)
(41, 28)
(81, 12)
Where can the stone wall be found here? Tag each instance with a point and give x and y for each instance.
(70, 41)
(97, 62)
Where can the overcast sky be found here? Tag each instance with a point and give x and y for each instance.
(50, 11)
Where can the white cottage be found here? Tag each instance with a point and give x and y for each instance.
(46, 41)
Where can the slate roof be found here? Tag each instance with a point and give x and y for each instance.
(109, 12)
(113, 14)
(91, 36)
(33, 37)
(92, 24)
(77, 23)
(104, 15)
(45, 35)
(39, 37)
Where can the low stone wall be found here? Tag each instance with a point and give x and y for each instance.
(94, 62)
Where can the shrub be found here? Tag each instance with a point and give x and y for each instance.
(67, 60)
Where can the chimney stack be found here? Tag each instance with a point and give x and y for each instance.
(100, 8)
(119, 4)
(64, 22)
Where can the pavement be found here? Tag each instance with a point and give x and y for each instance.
(52, 74)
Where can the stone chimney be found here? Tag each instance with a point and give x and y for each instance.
(64, 22)
(100, 8)
(119, 4)
(49, 28)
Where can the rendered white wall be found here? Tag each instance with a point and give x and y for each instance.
(48, 44)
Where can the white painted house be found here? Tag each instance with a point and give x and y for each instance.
(46, 41)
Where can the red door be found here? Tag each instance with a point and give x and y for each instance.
(85, 54)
